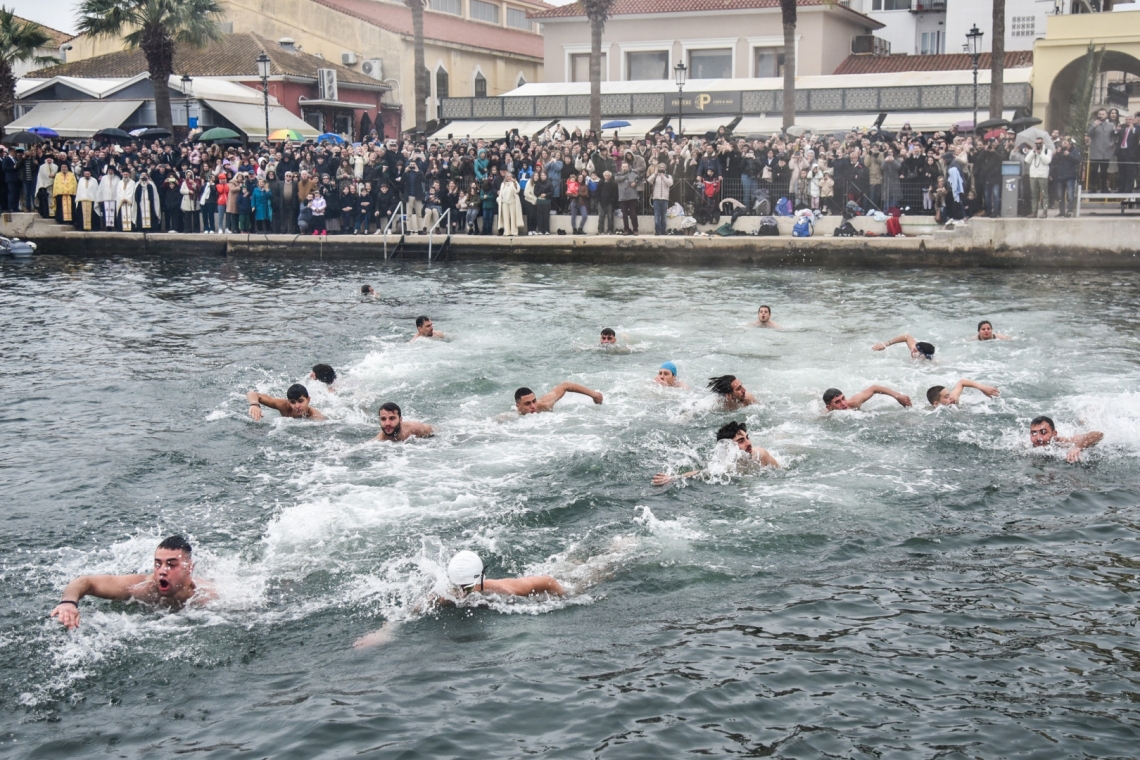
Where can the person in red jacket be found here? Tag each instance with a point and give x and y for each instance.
(223, 188)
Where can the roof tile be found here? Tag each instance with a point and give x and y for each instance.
(635, 7)
(889, 64)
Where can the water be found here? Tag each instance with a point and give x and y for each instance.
(913, 584)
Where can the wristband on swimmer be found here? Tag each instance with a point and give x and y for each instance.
(68, 601)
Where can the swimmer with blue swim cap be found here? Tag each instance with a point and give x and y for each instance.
(667, 376)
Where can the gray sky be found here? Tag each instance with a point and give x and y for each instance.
(58, 14)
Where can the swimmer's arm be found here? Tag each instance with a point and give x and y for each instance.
(904, 338)
(547, 402)
(999, 336)
(315, 415)
(864, 395)
(1082, 442)
(419, 429)
(118, 587)
(535, 584)
(661, 479)
(963, 384)
(257, 400)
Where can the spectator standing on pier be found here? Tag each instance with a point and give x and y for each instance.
(1065, 167)
(627, 182)
(1127, 139)
(607, 202)
(1102, 150)
(1038, 160)
(660, 184)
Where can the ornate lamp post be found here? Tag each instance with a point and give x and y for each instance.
(188, 92)
(974, 48)
(263, 72)
(679, 73)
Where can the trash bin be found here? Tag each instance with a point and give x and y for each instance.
(1010, 187)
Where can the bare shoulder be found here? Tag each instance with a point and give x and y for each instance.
(534, 584)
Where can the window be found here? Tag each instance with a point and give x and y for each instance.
(1023, 26)
(650, 64)
(710, 64)
(454, 7)
(931, 43)
(442, 84)
(768, 62)
(890, 5)
(480, 85)
(481, 11)
(517, 18)
(580, 67)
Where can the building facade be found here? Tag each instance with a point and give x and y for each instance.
(715, 39)
(55, 48)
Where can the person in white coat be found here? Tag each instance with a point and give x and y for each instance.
(86, 190)
(125, 202)
(511, 218)
(1037, 161)
(105, 197)
(45, 179)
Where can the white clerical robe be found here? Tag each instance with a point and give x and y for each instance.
(125, 199)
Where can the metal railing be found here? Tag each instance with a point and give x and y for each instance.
(445, 217)
(396, 213)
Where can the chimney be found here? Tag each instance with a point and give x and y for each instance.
(287, 43)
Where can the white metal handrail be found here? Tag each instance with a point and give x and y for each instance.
(445, 217)
(396, 212)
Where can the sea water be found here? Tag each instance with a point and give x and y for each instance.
(912, 584)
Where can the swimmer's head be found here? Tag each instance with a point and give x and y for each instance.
(937, 395)
(424, 326)
(1042, 431)
(366, 290)
(985, 330)
(390, 418)
(737, 432)
(298, 397)
(727, 385)
(173, 566)
(833, 399)
(465, 570)
(324, 373)
(764, 314)
(671, 367)
(608, 336)
(923, 349)
(667, 374)
(525, 401)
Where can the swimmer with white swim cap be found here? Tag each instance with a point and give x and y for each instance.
(737, 432)
(667, 376)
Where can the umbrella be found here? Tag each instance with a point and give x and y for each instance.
(992, 124)
(965, 126)
(796, 130)
(218, 133)
(137, 132)
(113, 134)
(1024, 122)
(44, 131)
(616, 124)
(1030, 136)
(227, 141)
(286, 134)
(25, 138)
(152, 132)
(330, 137)
(994, 133)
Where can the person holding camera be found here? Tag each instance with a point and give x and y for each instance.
(1037, 161)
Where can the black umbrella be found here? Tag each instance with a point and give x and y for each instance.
(26, 138)
(1023, 123)
(988, 124)
(227, 141)
(112, 133)
(158, 132)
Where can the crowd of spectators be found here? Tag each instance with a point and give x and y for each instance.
(512, 185)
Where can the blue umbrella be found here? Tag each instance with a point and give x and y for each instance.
(44, 131)
(616, 124)
(330, 137)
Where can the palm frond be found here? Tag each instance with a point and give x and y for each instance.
(19, 39)
(1080, 101)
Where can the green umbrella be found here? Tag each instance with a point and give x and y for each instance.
(218, 133)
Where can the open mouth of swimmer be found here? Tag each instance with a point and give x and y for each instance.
(163, 584)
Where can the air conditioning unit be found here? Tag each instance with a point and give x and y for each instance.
(326, 84)
(348, 59)
(373, 67)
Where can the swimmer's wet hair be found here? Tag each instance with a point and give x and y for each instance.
(420, 321)
(764, 306)
(722, 384)
(324, 373)
(609, 332)
(934, 392)
(522, 392)
(1043, 418)
(390, 406)
(984, 322)
(924, 348)
(728, 431)
(176, 544)
(830, 394)
(365, 289)
(297, 392)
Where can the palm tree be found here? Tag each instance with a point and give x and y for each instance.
(597, 11)
(18, 43)
(422, 83)
(997, 61)
(788, 14)
(154, 26)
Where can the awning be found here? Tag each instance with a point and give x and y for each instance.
(920, 121)
(699, 125)
(637, 129)
(81, 118)
(489, 130)
(250, 119)
(345, 104)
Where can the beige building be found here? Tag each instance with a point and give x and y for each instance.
(472, 47)
(716, 39)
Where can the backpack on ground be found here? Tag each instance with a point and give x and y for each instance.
(768, 227)
(847, 229)
(894, 226)
(784, 208)
(802, 227)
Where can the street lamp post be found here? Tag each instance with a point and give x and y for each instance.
(188, 92)
(263, 72)
(679, 72)
(974, 48)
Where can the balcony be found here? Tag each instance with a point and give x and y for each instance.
(868, 44)
(928, 6)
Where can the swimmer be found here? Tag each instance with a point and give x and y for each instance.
(466, 576)
(393, 426)
(527, 403)
(731, 391)
(295, 404)
(366, 290)
(834, 399)
(171, 585)
(667, 376)
(737, 432)
(939, 395)
(764, 318)
(324, 373)
(986, 332)
(918, 348)
(1042, 432)
(609, 337)
(424, 329)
